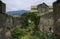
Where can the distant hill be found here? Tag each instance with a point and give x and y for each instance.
(18, 12)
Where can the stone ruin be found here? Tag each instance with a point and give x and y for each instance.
(7, 22)
(56, 16)
(4, 29)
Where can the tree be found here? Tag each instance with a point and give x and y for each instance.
(29, 29)
(34, 17)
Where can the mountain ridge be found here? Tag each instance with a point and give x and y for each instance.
(17, 12)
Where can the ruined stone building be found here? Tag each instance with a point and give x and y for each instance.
(43, 8)
(56, 15)
(46, 22)
(2, 7)
(7, 22)
(46, 19)
(46, 16)
(50, 17)
(50, 8)
(34, 9)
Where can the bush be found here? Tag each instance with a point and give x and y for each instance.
(20, 33)
(30, 30)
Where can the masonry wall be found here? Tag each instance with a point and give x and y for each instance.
(56, 10)
(43, 8)
(4, 25)
(2, 7)
(7, 22)
(46, 22)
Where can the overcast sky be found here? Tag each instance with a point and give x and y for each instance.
(12, 5)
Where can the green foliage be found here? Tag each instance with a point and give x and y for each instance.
(18, 32)
(34, 17)
(30, 30)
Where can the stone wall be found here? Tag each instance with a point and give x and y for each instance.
(2, 7)
(17, 21)
(56, 14)
(7, 22)
(4, 25)
(43, 8)
(46, 22)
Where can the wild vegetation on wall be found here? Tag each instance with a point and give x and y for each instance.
(29, 29)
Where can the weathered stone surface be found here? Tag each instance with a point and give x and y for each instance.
(43, 8)
(46, 22)
(2, 7)
(17, 21)
(5, 22)
(46, 19)
(56, 14)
